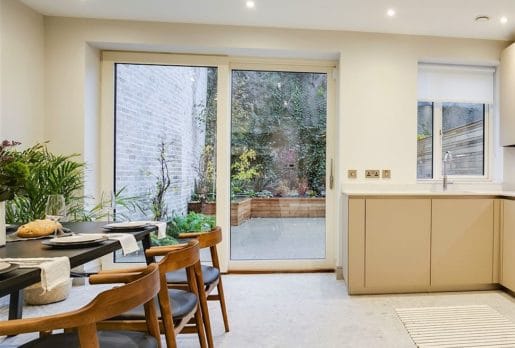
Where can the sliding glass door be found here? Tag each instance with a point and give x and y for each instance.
(279, 169)
(246, 142)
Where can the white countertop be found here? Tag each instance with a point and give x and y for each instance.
(435, 190)
(366, 192)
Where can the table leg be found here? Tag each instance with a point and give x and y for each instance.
(147, 243)
(16, 305)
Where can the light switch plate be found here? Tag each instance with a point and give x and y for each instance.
(352, 174)
(387, 174)
(372, 174)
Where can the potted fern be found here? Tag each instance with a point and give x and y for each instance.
(13, 178)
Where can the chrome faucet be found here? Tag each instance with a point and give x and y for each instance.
(446, 159)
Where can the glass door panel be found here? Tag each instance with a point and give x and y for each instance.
(165, 142)
(278, 165)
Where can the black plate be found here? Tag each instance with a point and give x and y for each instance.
(73, 245)
(125, 229)
(11, 268)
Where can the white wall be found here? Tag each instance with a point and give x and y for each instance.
(21, 73)
(378, 78)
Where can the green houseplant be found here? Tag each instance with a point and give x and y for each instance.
(13, 177)
(47, 174)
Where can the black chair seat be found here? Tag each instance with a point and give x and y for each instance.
(209, 274)
(107, 339)
(183, 302)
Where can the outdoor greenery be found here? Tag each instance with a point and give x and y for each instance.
(279, 117)
(192, 222)
(205, 181)
(278, 135)
(158, 205)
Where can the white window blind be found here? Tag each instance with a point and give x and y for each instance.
(455, 83)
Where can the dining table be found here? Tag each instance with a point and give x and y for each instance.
(14, 282)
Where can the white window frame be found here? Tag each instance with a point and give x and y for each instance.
(437, 146)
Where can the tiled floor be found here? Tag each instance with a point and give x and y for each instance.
(304, 310)
(278, 238)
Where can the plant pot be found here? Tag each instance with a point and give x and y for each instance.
(2, 224)
(195, 207)
(209, 208)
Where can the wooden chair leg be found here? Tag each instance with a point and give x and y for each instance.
(221, 296)
(88, 336)
(167, 319)
(203, 304)
(220, 287)
(200, 328)
(152, 321)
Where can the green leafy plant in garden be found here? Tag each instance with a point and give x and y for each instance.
(158, 205)
(244, 171)
(204, 187)
(277, 112)
(192, 222)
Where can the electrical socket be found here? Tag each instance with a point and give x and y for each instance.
(352, 174)
(372, 174)
(387, 174)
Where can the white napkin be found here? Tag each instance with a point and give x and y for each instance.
(161, 227)
(54, 270)
(127, 241)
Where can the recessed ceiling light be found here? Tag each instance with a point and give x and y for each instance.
(250, 4)
(503, 20)
(390, 12)
(482, 19)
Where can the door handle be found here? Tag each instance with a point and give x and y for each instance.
(331, 175)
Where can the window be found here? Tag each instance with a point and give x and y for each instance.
(452, 117)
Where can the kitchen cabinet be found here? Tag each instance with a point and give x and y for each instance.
(397, 244)
(507, 77)
(418, 243)
(462, 242)
(508, 245)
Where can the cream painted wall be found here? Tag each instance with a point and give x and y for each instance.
(22, 48)
(378, 73)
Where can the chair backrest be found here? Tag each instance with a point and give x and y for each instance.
(206, 239)
(176, 258)
(141, 288)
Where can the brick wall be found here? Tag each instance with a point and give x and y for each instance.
(152, 103)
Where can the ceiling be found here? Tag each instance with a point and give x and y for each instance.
(454, 18)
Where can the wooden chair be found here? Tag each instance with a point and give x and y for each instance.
(140, 288)
(210, 274)
(178, 308)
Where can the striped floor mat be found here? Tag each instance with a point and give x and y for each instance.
(460, 326)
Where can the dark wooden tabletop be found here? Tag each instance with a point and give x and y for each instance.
(22, 278)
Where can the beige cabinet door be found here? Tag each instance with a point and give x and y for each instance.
(397, 244)
(507, 69)
(508, 245)
(462, 242)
